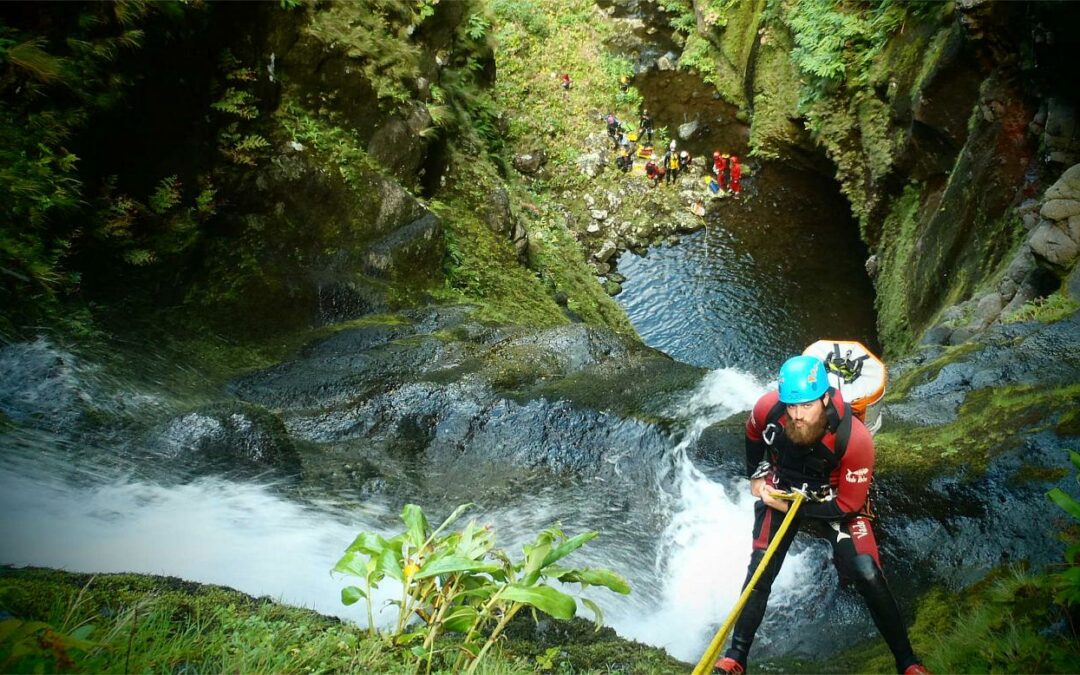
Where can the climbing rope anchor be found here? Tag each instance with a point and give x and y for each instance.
(705, 664)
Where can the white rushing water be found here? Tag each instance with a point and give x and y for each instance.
(248, 536)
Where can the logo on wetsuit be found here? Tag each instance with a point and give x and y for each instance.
(857, 476)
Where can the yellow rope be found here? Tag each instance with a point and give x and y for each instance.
(706, 663)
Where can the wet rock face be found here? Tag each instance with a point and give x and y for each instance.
(441, 396)
(231, 437)
(41, 385)
(1038, 268)
(961, 523)
(1012, 354)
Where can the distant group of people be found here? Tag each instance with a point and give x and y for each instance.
(726, 169)
(728, 173)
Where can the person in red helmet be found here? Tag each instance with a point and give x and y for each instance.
(736, 174)
(720, 166)
(805, 437)
(653, 172)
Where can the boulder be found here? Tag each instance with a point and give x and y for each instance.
(687, 131)
(1062, 132)
(1053, 247)
(668, 61)
(229, 436)
(340, 300)
(607, 250)
(530, 163)
(591, 164)
(399, 145)
(1060, 209)
(415, 250)
(1067, 185)
(500, 219)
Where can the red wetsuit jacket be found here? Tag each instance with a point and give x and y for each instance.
(790, 465)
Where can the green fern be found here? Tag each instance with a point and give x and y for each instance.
(165, 196)
(237, 102)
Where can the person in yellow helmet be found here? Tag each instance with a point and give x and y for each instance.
(671, 163)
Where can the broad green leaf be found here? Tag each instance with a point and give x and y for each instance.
(1071, 506)
(597, 577)
(8, 627)
(598, 614)
(366, 542)
(351, 563)
(419, 652)
(534, 562)
(350, 595)
(406, 638)
(451, 564)
(390, 564)
(416, 524)
(460, 619)
(544, 598)
(569, 546)
(17, 629)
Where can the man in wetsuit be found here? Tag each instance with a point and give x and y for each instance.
(804, 437)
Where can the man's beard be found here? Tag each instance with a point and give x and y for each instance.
(808, 435)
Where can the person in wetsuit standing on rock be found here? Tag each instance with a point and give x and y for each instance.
(804, 437)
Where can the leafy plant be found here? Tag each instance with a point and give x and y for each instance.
(1067, 582)
(237, 102)
(166, 195)
(459, 581)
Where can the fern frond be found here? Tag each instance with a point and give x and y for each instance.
(31, 57)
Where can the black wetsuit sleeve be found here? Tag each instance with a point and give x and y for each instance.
(755, 452)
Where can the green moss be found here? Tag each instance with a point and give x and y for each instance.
(1032, 473)
(900, 389)
(641, 388)
(1068, 424)
(776, 96)
(988, 423)
(896, 257)
(154, 624)
(1006, 619)
(135, 623)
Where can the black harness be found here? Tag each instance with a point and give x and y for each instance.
(798, 465)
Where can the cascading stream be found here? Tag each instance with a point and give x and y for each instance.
(685, 554)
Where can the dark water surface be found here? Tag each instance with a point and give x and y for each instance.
(775, 270)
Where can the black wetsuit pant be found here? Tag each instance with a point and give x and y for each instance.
(856, 557)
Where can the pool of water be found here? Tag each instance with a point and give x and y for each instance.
(771, 271)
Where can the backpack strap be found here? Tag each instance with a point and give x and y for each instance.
(772, 423)
(843, 433)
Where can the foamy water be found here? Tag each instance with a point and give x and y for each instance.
(251, 537)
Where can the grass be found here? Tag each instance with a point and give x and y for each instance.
(1049, 309)
(133, 623)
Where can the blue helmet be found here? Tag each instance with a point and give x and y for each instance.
(803, 378)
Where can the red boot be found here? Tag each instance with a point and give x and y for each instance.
(916, 669)
(731, 666)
